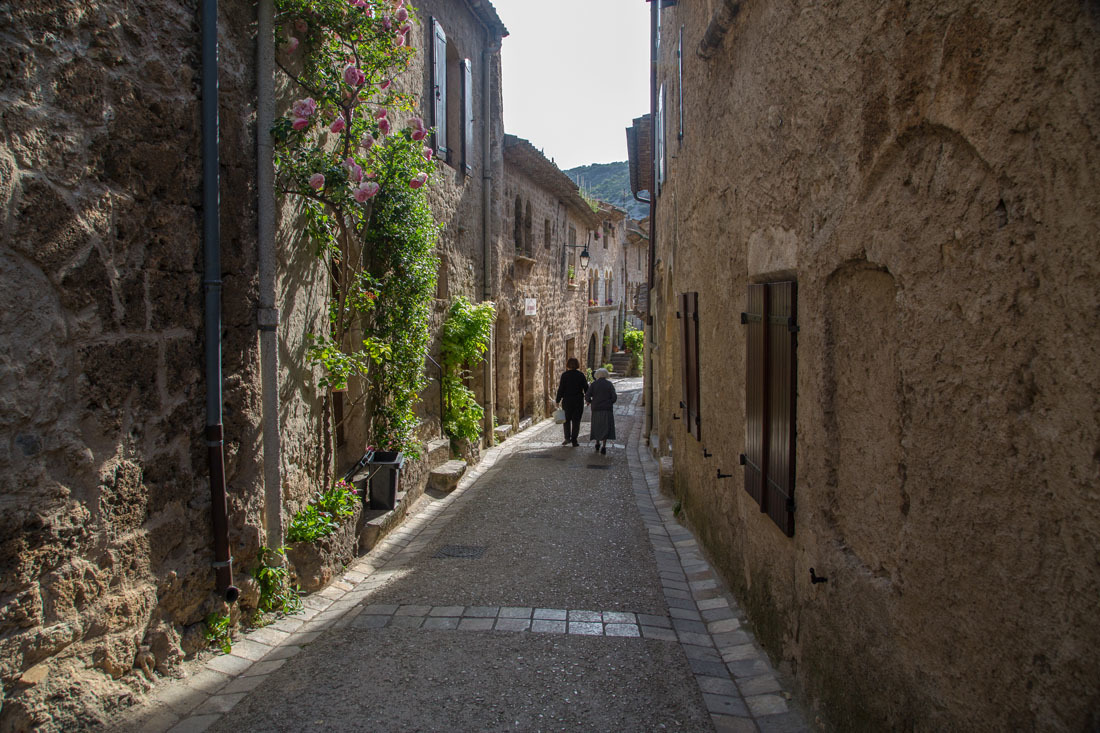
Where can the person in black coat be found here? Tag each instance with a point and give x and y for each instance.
(571, 390)
(602, 396)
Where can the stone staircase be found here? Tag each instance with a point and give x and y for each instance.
(620, 361)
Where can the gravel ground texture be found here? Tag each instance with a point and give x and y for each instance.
(396, 680)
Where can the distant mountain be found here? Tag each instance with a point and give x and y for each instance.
(609, 182)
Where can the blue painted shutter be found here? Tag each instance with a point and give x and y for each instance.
(468, 115)
(439, 88)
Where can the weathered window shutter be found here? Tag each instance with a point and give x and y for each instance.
(439, 88)
(770, 392)
(755, 416)
(660, 122)
(680, 83)
(689, 362)
(782, 330)
(468, 115)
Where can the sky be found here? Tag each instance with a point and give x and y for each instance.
(576, 74)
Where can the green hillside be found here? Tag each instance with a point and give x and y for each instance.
(609, 182)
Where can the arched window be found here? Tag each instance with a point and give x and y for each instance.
(528, 239)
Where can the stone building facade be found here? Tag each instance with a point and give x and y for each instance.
(546, 223)
(875, 287)
(105, 510)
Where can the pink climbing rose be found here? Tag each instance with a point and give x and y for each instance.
(317, 181)
(292, 45)
(385, 85)
(419, 132)
(401, 15)
(300, 123)
(368, 143)
(304, 107)
(418, 181)
(355, 171)
(384, 126)
(354, 76)
(366, 190)
(427, 153)
(337, 125)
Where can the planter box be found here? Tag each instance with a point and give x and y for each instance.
(314, 564)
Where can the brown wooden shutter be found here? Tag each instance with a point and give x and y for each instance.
(468, 116)
(782, 332)
(770, 397)
(755, 415)
(689, 362)
(439, 88)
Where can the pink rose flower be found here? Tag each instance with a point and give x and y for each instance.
(292, 45)
(304, 107)
(300, 123)
(399, 41)
(317, 181)
(418, 181)
(386, 23)
(368, 143)
(366, 190)
(337, 125)
(380, 114)
(385, 85)
(420, 134)
(401, 15)
(403, 30)
(353, 76)
(384, 126)
(355, 171)
(427, 153)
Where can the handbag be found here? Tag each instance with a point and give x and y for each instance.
(559, 416)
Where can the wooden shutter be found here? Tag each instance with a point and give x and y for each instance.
(439, 88)
(755, 415)
(689, 362)
(782, 332)
(680, 83)
(770, 392)
(660, 122)
(468, 116)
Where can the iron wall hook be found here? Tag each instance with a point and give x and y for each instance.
(723, 475)
(815, 578)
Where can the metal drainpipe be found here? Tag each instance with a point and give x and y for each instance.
(212, 316)
(267, 315)
(486, 221)
(648, 391)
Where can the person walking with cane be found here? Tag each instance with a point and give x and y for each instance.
(601, 395)
(571, 390)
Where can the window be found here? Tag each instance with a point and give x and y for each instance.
(689, 362)
(452, 93)
(660, 153)
(546, 232)
(439, 89)
(517, 225)
(770, 391)
(680, 83)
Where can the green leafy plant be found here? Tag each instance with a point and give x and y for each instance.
(634, 341)
(276, 592)
(609, 367)
(324, 514)
(466, 333)
(357, 173)
(217, 632)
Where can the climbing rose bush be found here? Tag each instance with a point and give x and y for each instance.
(349, 151)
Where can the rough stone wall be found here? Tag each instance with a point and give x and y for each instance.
(104, 515)
(457, 195)
(605, 320)
(538, 270)
(927, 173)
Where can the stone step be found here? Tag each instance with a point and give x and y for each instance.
(437, 452)
(501, 432)
(445, 478)
(525, 423)
(378, 522)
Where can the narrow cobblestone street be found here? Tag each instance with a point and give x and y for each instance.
(553, 590)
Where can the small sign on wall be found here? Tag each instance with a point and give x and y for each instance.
(529, 306)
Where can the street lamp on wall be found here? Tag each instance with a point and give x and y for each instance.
(585, 257)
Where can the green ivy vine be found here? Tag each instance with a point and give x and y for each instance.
(467, 331)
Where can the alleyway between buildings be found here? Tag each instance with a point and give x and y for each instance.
(553, 590)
